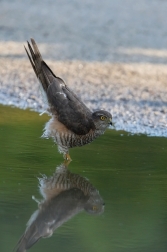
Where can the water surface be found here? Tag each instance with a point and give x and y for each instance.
(128, 171)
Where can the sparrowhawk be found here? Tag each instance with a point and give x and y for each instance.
(72, 123)
(65, 194)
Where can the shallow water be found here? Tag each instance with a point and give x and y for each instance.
(130, 173)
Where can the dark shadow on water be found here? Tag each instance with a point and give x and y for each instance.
(65, 194)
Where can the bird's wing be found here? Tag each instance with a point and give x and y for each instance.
(71, 111)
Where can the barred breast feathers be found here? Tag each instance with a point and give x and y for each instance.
(63, 180)
(65, 137)
(54, 126)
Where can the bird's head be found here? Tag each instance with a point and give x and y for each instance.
(102, 119)
(95, 203)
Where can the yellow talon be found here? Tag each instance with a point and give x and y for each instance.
(66, 163)
(67, 159)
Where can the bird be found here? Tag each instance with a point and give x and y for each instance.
(72, 123)
(63, 179)
(51, 215)
(64, 195)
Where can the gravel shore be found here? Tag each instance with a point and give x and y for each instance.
(115, 60)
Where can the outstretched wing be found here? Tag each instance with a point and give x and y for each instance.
(71, 111)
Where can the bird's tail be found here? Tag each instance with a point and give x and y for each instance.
(42, 71)
(27, 240)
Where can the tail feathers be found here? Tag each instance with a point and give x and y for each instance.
(42, 71)
(32, 64)
(29, 238)
(47, 72)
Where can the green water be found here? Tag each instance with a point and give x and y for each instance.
(130, 173)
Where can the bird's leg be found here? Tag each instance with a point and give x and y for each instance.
(67, 157)
(66, 163)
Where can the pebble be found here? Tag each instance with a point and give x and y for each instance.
(138, 104)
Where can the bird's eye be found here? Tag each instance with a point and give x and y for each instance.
(94, 208)
(102, 118)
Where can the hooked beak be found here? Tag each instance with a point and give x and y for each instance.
(110, 122)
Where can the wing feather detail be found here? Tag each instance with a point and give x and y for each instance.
(71, 111)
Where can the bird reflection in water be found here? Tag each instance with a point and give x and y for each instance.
(65, 194)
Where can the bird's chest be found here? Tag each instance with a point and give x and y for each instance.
(79, 140)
